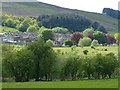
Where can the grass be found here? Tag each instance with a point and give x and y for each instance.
(106, 83)
(8, 29)
(99, 49)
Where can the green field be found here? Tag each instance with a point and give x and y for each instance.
(99, 49)
(7, 29)
(107, 83)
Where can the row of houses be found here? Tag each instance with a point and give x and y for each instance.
(18, 38)
(27, 37)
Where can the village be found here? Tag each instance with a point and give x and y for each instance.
(24, 38)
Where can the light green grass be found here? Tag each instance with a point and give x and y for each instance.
(107, 83)
(8, 29)
(99, 49)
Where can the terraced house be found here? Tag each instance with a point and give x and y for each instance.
(18, 38)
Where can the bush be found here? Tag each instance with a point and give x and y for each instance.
(32, 29)
(68, 43)
(105, 50)
(50, 42)
(94, 43)
(10, 23)
(85, 41)
(85, 52)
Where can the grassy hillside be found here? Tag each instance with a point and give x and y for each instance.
(7, 29)
(38, 8)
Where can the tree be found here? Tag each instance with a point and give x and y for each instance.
(110, 39)
(18, 64)
(32, 29)
(71, 67)
(98, 65)
(88, 33)
(117, 37)
(44, 56)
(72, 22)
(24, 25)
(50, 42)
(101, 29)
(111, 12)
(85, 41)
(60, 30)
(94, 43)
(68, 43)
(88, 64)
(110, 61)
(98, 27)
(10, 23)
(46, 34)
(100, 37)
(76, 37)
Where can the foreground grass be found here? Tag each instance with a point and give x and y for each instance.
(106, 83)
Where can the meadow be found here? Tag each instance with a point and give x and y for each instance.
(91, 52)
(106, 83)
(8, 29)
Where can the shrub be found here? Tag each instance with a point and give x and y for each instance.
(85, 41)
(94, 43)
(105, 50)
(85, 52)
(68, 43)
(50, 42)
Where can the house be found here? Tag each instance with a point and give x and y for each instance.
(60, 38)
(18, 38)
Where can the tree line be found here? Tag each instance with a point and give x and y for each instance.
(70, 22)
(38, 61)
(91, 37)
(112, 13)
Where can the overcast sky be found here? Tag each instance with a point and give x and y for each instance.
(86, 5)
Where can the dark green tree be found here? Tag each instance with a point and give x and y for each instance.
(10, 23)
(32, 29)
(68, 43)
(43, 54)
(100, 37)
(46, 34)
(18, 64)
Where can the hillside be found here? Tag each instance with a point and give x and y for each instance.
(38, 8)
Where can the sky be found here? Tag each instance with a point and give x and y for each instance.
(85, 5)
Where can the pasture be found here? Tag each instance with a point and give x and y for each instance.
(7, 29)
(91, 52)
(106, 83)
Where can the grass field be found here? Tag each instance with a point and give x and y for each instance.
(7, 29)
(107, 83)
(99, 49)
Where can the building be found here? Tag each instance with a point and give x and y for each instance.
(60, 38)
(18, 38)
